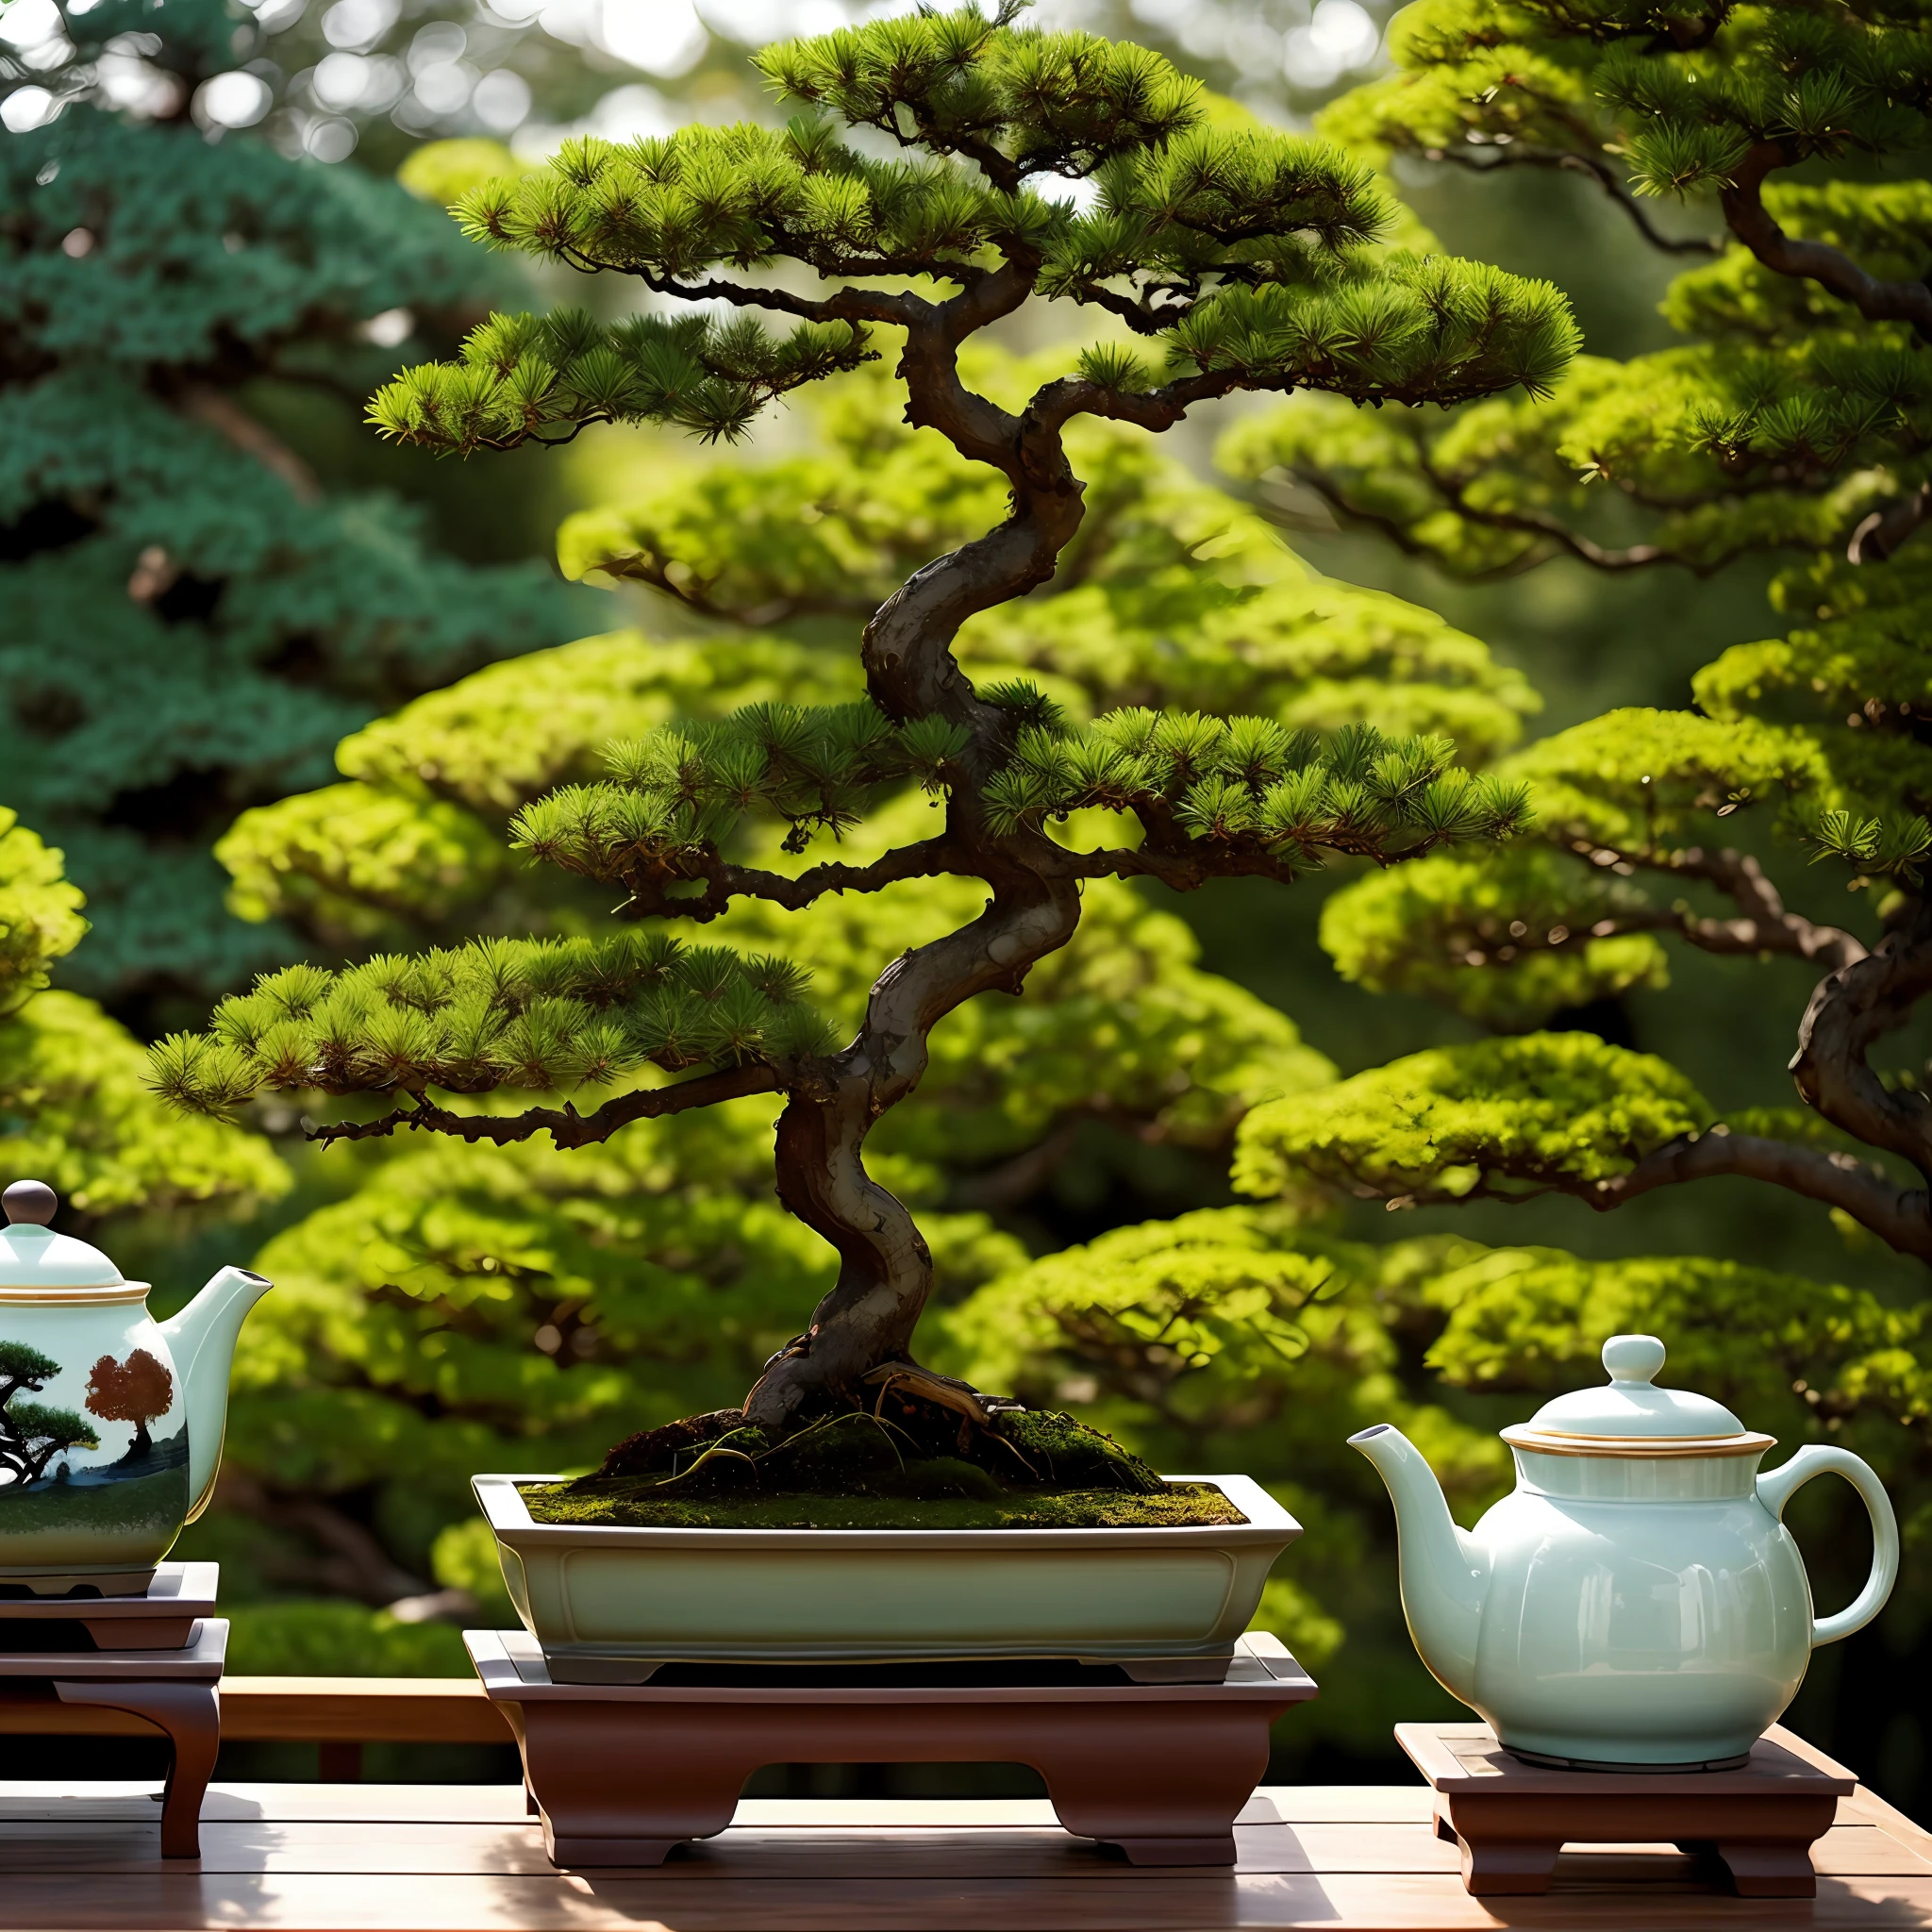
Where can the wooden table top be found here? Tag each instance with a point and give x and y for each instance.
(440, 1858)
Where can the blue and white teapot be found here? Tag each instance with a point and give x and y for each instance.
(110, 1422)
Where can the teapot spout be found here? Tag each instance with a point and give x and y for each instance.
(1445, 1572)
(202, 1341)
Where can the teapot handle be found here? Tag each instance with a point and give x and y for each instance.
(1774, 1489)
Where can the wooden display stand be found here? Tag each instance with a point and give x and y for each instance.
(163, 1618)
(1512, 1818)
(622, 1773)
(157, 1657)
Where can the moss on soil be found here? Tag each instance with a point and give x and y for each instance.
(908, 1463)
(630, 1503)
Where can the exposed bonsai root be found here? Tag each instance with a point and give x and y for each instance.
(659, 1448)
(924, 1439)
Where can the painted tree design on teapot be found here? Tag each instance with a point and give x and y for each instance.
(139, 1390)
(33, 1433)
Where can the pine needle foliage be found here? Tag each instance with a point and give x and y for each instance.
(75, 1107)
(1249, 257)
(188, 622)
(1801, 403)
(40, 913)
(497, 1013)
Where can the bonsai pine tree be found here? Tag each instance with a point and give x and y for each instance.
(1246, 262)
(1793, 420)
(652, 1277)
(20, 1369)
(35, 1434)
(188, 620)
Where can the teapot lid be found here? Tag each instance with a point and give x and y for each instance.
(34, 1257)
(1634, 1417)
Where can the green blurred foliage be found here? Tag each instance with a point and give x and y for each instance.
(40, 913)
(1563, 1110)
(75, 1108)
(1253, 1339)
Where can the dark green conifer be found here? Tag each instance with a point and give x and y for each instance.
(188, 623)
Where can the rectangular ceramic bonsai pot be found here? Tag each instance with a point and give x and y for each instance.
(610, 1604)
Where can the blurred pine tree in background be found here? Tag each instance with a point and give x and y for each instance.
(189, 618)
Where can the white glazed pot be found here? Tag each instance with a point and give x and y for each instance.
(1683, 1645)
(609, 1604)
(1636, 1600)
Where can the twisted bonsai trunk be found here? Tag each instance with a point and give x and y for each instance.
(884, 1273)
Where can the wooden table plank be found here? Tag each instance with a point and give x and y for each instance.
(79, 1847)
(465, 1858)
(1119, 1901)
(22, 1800)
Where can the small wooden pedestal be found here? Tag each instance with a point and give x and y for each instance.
(621, 1774)
(165, 1666)
(1511, 1819)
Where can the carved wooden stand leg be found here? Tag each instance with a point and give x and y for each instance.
(618, 1786)
(622, 1783)
(1512, 1818)
(622, 1772)
(1164, 1785)
(190, 1715)
(1770, 1870)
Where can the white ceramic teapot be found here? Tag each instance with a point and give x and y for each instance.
(1636, 1602)
(110, 1422)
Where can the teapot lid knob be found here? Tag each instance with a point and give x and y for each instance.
(31, 1202)
(1633, 1357)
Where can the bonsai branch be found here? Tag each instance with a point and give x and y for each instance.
(1184, 867)
(1815, 261)
(565, 1126)
(1763, 925)
(846, 304)
(1550, 535)
(1554, 532)
(1901, 1216)
(725, 881)
(1597, 169)
(655, 568)
(1852, 1008)
(1878, 535)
